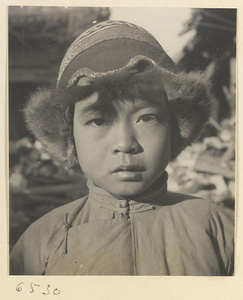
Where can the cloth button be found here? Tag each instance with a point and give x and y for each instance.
(123, 204)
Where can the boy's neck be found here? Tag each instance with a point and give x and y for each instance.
(158, 187)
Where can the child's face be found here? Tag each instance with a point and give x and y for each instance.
(123, 148)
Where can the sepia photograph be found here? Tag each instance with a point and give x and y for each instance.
(122, 125)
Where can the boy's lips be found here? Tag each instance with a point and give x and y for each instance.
(128, 172)
(129, 168)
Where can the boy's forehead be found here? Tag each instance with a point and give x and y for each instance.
(93, 102)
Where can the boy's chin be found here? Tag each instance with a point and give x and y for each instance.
(129, 189)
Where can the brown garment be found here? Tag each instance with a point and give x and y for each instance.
(161, 234)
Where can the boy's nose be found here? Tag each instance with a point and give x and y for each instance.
(125, 141)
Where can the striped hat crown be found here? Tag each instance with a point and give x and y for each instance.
(110, 46)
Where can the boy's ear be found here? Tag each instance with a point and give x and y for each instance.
(189, 102)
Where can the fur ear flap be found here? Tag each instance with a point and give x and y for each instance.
(49, 114)
(190, 103)
(51, 125)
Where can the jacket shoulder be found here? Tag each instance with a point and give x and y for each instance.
(31, 252)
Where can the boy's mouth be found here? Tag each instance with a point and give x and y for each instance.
(128, 172)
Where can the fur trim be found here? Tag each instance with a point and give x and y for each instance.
(51, 125)
(190, 104)
(49, 114)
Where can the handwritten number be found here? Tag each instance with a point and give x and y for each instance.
(18, 287)
(31, 285)
(56, 292)
(48, 286)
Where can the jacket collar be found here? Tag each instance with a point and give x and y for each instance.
(147, 201)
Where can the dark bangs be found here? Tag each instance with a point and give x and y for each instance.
(125, 85)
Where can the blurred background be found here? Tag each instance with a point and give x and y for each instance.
(196, 39)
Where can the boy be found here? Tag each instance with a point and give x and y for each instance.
(121, 112)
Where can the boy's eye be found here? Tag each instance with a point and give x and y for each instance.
(147, 118)
(97, 122)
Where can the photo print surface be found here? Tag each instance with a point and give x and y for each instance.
(121, 140)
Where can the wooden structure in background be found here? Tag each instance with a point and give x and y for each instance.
(38, 40)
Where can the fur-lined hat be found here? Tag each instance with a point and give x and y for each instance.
(121, 60)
